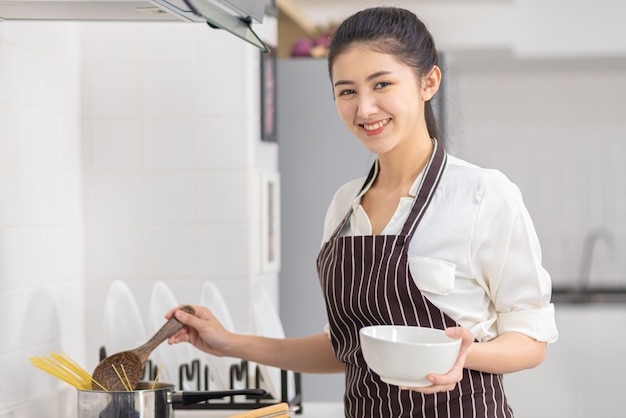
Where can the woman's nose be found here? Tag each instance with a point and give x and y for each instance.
(367, 105)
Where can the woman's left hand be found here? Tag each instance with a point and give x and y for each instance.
(447, 382)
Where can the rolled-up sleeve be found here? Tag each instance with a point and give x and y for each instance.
(537, 323)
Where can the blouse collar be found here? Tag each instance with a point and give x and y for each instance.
(412, 190)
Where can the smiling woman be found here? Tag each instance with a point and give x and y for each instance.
(384, 67)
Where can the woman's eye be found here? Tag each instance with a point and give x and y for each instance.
(346, 92)
(382, 84)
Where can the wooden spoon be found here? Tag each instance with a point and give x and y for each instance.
(122, 371)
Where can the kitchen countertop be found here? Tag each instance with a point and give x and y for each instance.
(309, 410)
(589, 295)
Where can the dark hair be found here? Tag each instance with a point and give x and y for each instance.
(393, 31)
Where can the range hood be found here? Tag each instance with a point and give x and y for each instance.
(234, 16)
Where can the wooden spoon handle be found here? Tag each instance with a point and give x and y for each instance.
(170, 328)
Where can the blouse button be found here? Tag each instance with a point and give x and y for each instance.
(400, 241)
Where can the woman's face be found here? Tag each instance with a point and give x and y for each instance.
(379, 98)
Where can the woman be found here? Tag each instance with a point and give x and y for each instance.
(431, 241)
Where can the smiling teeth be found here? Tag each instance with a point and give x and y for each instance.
(376, 125)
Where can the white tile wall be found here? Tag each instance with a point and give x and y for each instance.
(170, 144)
(127, 151)
(213, 134)
(41, 228)
(169, 152)
(115, 144)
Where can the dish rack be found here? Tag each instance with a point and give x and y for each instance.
(195, 374)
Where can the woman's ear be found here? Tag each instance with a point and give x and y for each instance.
(431, 83)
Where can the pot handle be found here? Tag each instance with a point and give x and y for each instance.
(189, 398)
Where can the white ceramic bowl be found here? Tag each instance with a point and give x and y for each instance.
(405, 355)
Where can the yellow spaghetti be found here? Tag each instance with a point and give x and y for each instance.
(156, 378)
(122, 380)
(64, 368)
(128, 384)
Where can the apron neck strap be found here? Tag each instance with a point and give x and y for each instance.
(432, 175)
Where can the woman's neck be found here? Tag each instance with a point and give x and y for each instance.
(401, 166)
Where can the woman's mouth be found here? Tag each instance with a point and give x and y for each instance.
(376, 127)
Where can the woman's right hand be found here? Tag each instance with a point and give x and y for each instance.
(448, 381)
(201, 329)
(309, 354)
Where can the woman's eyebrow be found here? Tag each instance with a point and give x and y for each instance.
(369, 78)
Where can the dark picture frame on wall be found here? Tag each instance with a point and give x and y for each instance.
(268, 95)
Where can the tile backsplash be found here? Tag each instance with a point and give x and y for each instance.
(127, 151)
(41, 212)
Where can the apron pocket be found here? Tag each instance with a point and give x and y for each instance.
(432, 275)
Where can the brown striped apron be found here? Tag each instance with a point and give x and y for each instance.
(366, 281)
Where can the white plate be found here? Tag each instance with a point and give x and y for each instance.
(219, 367)
(170, 358)
(267, 323)
(122, 322)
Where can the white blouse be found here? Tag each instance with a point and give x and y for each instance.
(475, 254)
